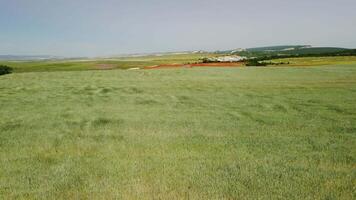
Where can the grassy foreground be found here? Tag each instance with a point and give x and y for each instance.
(241, 133)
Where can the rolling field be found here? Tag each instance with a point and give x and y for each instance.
(228, 133)
(318, 61)
(159, 61)
(101, 64)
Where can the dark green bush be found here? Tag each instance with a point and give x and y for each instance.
(206, 60)
(254, 62)
(5, 69)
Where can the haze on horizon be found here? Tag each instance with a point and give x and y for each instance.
(111, 27)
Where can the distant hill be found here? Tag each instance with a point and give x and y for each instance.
(288, 50)
(315, 50)
(27, 57)
(279, 48)
(256, 52)
(36, 58)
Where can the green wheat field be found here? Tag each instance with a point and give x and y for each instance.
(201, 133)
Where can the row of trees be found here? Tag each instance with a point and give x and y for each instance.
(263, 60)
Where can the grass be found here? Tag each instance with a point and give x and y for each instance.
(112, 63)
(233, 133)
(318, 61)
(144, 61)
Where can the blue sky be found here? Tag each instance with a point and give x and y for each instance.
(110, 27)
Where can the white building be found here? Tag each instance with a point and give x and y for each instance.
(227, 59)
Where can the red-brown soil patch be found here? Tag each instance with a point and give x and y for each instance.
(173, 66)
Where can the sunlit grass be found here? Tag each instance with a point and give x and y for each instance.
(318, 61)
(247, 133)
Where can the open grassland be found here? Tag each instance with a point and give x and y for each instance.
(102, 64)
(231, 133)
(318, 61)
(157, 61)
